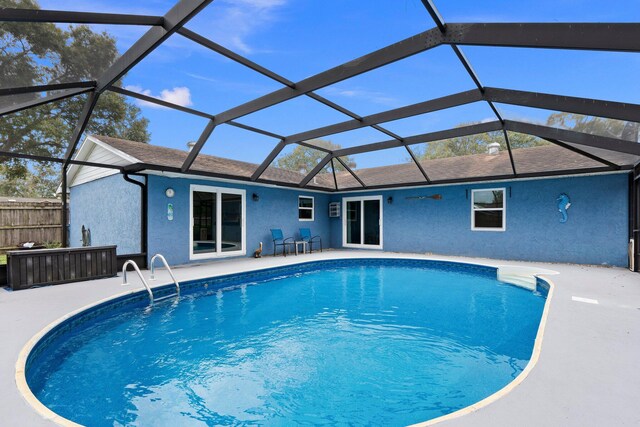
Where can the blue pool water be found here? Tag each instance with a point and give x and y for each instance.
(359, 343)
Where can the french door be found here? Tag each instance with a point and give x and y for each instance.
(218, 222)
(362, 222)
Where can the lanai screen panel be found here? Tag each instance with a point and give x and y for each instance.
(472, 113)
(302, 47)
(533, 155)
(385, 167)
(407, 81)
(293, 164)
(350, 139)
(465, 157)
(238, 144)
(246, 105)
(293, 116)
(601, 126)
(581, 73)
(65, 53)
(192, 75)
(29, 132)
(617, 158)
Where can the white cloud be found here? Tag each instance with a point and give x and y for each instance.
(363, 94)
(233, 23)
(178, 95)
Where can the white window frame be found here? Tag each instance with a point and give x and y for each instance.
(345, 214)
(218, 192)
(312, 208)
(503, 209)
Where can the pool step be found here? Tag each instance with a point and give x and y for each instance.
(525, 277)
(166, 297)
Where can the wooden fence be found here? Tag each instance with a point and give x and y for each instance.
(29, 220)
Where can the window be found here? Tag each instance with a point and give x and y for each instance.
(488, 209)
(217, 222)
(305, 208)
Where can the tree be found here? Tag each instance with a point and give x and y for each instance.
(595, 125)
(477, 144)
(473, 144)
(304, 159)
(42, 53)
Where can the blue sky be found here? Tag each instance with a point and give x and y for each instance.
(299, 38)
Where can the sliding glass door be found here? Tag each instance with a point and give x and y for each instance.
(217, 222)
(362, 222)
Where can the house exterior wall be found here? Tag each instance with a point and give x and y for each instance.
(276, 208)
(596, 231)
(110, 207)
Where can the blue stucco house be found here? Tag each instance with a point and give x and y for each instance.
(193, 217)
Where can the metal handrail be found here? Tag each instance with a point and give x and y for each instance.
(144, 282)
(166, 264)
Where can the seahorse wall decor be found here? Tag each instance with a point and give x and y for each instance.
(563, 204)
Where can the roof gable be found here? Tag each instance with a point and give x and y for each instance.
(96, 151)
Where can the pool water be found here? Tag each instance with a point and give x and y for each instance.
(360, 345)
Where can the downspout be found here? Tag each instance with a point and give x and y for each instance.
(65, 208)
(143, 210)
(634, 218)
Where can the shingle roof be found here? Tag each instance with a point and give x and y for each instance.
(171, 157)
(527, 160)
(545, 158)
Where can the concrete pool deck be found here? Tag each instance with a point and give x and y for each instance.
(587, 373)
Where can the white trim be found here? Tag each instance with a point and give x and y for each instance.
(87, 146)
(503, 209)
(218, 192)
(115, 151)
(312, 208)
(230, 181)
(361, 199)
(470, 183)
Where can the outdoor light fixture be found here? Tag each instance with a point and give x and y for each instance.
(389, 200)
(169, 192)
(255, 197)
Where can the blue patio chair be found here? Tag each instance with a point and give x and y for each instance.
(280, 240)
(305, 234)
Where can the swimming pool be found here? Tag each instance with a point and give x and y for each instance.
(377, 341)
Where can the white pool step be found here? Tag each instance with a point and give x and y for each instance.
(525, 277)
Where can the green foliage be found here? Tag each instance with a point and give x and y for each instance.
(38, 180)
(3, 259)
(477, 144)
(52, 245)
(595, 125)
(473, 144)
(42, 53)
(304, 159)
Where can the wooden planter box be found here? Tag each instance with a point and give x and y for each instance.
(27, 268)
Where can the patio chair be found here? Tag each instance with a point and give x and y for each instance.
(280, 240)
(305, 234)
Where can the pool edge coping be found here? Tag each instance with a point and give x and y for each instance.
(535, 355)
(48, 414)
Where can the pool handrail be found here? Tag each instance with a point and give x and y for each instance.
(144, 282)
(166, 265)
